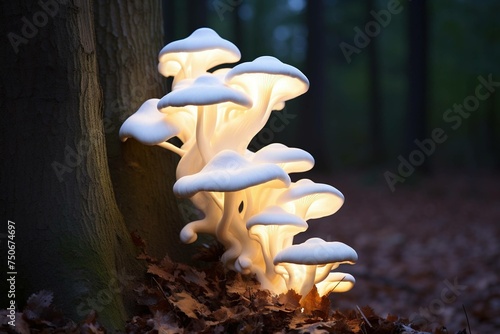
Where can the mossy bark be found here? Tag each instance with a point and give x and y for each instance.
(56, 186)
(129, 37)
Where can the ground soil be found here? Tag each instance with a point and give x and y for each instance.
(426, 251)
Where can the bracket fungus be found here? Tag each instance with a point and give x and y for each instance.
(247, 198)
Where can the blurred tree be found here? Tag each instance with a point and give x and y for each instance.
(312, 114)
(375, 118)
(197, 16)
(417, 76)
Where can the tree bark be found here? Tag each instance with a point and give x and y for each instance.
(71, 238)
(129, 37)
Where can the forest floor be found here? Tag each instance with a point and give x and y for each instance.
(426, 250)
(428, 260)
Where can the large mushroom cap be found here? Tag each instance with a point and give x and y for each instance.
(285, 80)
(197, 53)
(292, 160)
(148, 125)
(315, 200)
(205, 90)
(228, 171)
(316, 251)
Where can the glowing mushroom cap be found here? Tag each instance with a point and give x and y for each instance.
(285, 80)
(292, 160)
(205, 90)
(197, 53)
(335, 282)
(316, 251)
(148, 125)
(274, 215)
(316, 200)
(228, 171)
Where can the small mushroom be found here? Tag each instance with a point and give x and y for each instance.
(270, 83)
(292, 160)
(302, 260)
(311, 200)
(196, 54)
(151, 127)
(274, 229)
(335, 282)
(230, 173)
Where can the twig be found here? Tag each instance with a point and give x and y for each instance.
(336, 285)
(364, 317)
(161, 289)
(467, 318)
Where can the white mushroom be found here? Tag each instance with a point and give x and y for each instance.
(230, 173)
(274, 229)
(196, 54)
(205, 93)
(311, 200)
(335, 282)
(270, 83)
(151, 127)
(292, 160)
(302, 260)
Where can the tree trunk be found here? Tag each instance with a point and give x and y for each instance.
(70, 236)
(142, 176)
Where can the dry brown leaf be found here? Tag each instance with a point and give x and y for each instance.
(290, 300)
(314, 304)
(37, 304)
(188, 305)
(160, 272)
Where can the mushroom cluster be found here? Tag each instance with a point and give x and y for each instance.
(248, 200)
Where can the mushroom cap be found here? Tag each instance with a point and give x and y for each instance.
(205, 44)
(317, 251)
(274, 215)
(228, 171)
(292, 160)
(321, 199)
(287, 81)
(205, 90)
(148, 125)
(336, 282)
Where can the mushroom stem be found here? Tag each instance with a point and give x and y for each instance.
(308, 282)
(222, 231)
(322, 272)
(201, 140)
(171, 147)
(257, 116)
(216, 200)
(292, 280)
